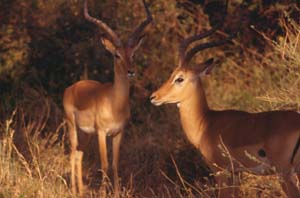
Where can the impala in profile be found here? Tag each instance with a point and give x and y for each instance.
(103, 109)
(272, 137)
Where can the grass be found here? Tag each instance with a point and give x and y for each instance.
(151, 171)
(37, 173)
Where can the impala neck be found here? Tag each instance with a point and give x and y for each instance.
(120, 88)
(193, 113)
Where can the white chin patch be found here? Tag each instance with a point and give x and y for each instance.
(155, 103)
(178, 104)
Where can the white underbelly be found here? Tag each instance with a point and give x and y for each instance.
(86, 122)
(113, 128)
(87, 129)
(109, 129)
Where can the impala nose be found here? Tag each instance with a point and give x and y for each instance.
(130, 73)
(152, 97)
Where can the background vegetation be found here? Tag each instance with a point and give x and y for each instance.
(46, 46)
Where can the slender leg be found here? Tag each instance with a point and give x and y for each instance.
(73, 184)
(79, 156)
(104, 161)
(74, 142)
(116, 148)
(290, 185)
(298, 180)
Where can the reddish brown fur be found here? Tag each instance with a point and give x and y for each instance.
(92, 107)
(274, 132)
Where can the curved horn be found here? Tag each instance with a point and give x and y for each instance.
(140, 29)
(189, 55)
(101, 24)
(186, 42)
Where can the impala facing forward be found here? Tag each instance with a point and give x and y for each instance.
(92, 107)
(271, 137)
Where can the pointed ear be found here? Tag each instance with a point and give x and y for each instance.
(206, 67)
(108, 45)
(138, 43)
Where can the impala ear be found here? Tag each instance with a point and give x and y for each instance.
(108, 45)
(206, 67)
(138, 43)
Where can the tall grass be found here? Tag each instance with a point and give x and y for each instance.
(36, 173)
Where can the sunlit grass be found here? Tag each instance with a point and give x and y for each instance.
(39, 174)
(44, 171)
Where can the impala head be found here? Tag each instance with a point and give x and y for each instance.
(181, 84)
(123, 52)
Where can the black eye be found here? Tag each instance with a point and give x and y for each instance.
(179, 80)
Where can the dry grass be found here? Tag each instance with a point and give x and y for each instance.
(30, 170)
(150, 171)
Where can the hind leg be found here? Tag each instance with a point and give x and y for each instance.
(116, 149)
(74, 142)
(76, 156)
(104, 161)
(73, 181)
(79, 156)
(290, 185)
